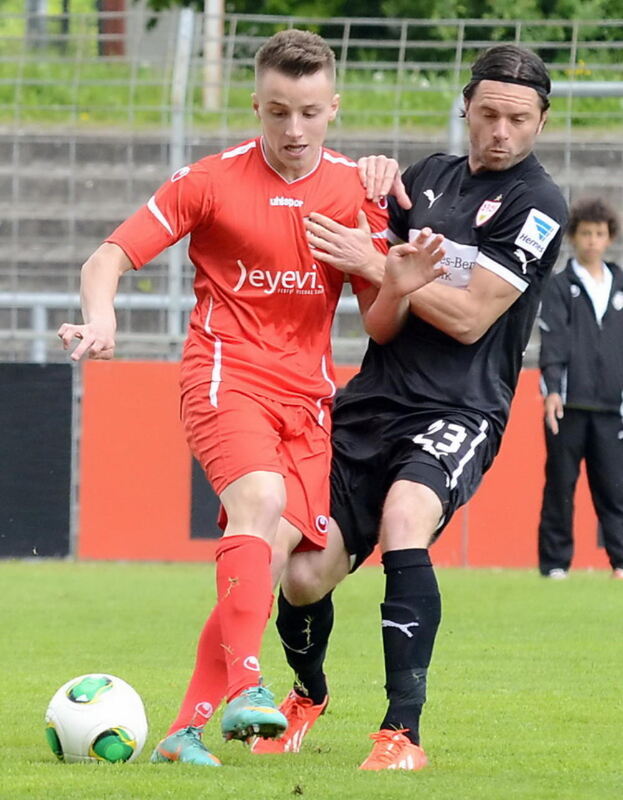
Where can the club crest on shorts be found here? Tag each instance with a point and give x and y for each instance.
(322, 523)
(487, 210)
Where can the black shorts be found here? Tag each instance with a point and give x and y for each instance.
(447, 450)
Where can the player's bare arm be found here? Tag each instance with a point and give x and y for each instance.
(467, 313)
(380, 176)
(99, 280)
(350, 250)
(408, 268)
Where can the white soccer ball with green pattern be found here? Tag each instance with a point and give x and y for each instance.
(96, 717)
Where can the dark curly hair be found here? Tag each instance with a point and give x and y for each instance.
(593, 209)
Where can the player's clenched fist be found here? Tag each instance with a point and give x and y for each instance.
(96, 341)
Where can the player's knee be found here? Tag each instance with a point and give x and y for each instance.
(405, 525)
(303, 580)
(255, 506)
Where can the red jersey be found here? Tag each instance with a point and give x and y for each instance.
(265, 306)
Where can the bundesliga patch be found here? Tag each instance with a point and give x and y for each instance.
(487, 210)
(537, 232)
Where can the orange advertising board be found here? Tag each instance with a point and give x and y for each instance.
(135, 479)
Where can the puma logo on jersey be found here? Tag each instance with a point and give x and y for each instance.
(523, 259)
(430, 195)
(286, 281)
(389, 623)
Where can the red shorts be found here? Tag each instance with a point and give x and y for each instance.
(247, 433)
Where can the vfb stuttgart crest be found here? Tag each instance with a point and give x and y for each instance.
(487, 210)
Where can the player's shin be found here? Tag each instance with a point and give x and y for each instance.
(304, 632)
(410, 614)
(244, 586)
(208, 682)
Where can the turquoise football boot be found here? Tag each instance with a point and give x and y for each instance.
(184, 745)
(253, 713)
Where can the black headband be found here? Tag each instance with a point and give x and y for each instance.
(538, 87)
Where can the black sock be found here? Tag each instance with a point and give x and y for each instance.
(410, 616)
(304, 632)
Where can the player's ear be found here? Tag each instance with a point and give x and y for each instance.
(255, 104)
(544, 118)
(335, 107)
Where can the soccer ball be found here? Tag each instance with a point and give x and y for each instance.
(96, 717)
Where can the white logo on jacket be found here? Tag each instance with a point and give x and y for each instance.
(617, 301)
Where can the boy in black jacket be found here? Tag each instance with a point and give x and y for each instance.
(581, 363)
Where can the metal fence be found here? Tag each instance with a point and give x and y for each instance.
(96, 110)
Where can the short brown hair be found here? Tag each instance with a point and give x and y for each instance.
(592, 209)
(295, 53)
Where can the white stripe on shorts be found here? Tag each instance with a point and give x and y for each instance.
(454, 477)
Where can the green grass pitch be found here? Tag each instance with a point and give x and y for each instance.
(525, 692)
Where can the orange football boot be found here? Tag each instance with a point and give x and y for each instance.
(393, 750)
(301, 714)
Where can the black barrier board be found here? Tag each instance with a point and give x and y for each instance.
(35, 477)
(204, 506)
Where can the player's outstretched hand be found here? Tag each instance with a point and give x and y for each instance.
(413, 265)
(346, 249)
(96, 341)
(380, 176)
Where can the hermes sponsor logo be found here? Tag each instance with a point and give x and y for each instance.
(537, 232)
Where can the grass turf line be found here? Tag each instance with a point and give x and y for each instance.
(525, 697)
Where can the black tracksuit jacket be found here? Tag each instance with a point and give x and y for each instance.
(580, 358)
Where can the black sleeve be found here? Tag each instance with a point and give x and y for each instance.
(399, 217)
(554, 321)
(525, 237)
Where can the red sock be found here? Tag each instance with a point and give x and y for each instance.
(208, 683)
(244, 587)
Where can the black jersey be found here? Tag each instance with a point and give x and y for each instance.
(510, 222)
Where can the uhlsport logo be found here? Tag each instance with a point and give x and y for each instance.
(537, 232)
(204, 710)
(181, 173)
(279, 281)
(288, 202)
